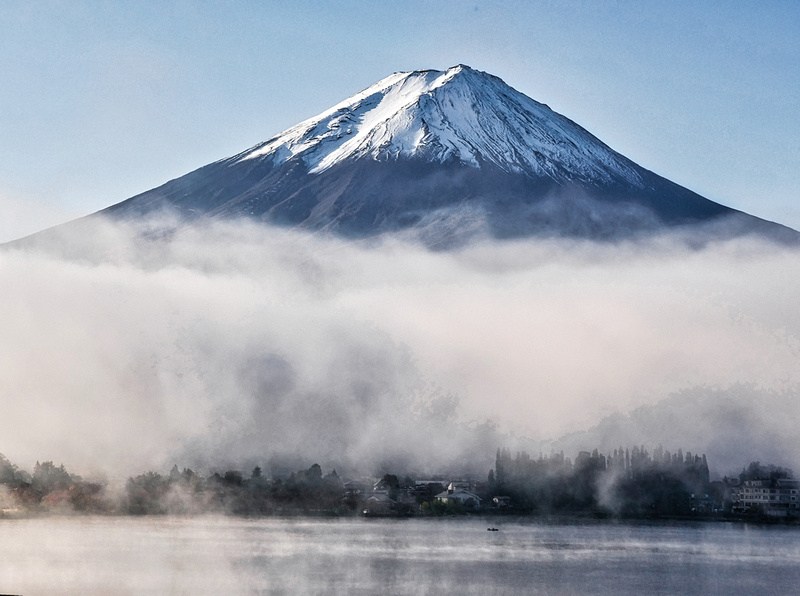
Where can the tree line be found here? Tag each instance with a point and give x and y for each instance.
(631, 483)
(627, 482)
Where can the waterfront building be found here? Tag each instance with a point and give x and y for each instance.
(772, 496)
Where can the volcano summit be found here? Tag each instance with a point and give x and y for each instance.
(448, 155)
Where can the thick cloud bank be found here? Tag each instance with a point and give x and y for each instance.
(235, 343)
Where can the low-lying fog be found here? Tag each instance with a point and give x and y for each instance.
(236, 343)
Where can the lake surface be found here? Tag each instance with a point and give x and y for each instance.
(216, 555)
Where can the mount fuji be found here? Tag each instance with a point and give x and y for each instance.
(448, 155)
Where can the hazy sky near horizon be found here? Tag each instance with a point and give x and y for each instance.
(101, 100)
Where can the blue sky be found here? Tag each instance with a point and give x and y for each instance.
(103, 100)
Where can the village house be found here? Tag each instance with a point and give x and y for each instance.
(501, 502)
(378, 504)
(776, 497)
(462, 497)
(457, 485)
(425, 490)
(381, 487)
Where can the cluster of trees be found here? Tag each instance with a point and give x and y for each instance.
(306, 492)
(756, 471)
(627, 482)
(50, 487)
(184, 492)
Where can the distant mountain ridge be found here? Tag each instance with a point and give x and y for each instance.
(448, 155)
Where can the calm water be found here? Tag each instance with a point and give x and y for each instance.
(233, 556)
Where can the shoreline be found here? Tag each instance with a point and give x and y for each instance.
(517, 517)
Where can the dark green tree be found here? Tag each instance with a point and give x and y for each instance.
(8, 471)
(48, 477)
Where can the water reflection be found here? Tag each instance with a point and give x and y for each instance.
(223, 555)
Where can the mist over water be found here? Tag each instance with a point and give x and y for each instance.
(235, 343)
(208, 555)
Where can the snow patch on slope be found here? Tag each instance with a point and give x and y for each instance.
(460, 114)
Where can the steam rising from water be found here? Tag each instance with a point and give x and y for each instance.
(234, 343)
(208, 555)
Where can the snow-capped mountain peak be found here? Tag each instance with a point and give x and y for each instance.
(447, 155)
(458, 114)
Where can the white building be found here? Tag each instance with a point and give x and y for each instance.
(774, 497)
(467, 499)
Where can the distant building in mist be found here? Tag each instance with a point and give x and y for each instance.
(501, 502)
(462, 497)
(772, 496)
